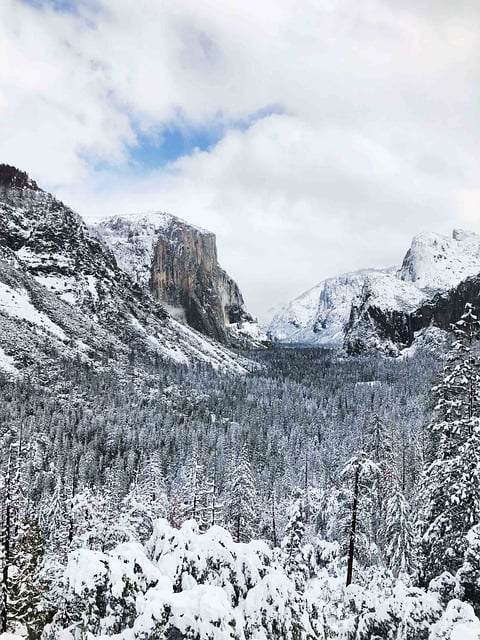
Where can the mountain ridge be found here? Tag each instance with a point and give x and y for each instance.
(345, 311)
(54, 270)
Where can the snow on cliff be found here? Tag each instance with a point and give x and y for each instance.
(433, 263)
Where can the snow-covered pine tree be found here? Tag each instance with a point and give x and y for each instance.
(294, 562)
(399, 536)
(469, 573)
(192, 495)
(450, 493)
(378, 445)
(27, 603)
(22, 546)
(357, 502)
(147, 499)
(54, 518)
(239, 500)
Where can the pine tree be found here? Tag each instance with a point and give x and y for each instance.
(54, 519)
(469, 573)
(239, 500)
(450, 492)
(294, 562)
(357, 503)
(399, 536)
(378, 445)
(27, 604)
(21, 549)
(147, 499)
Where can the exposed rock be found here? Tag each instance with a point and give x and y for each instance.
(383, 309)
(393, 330)
(445, 309)
(178, 263)
(62, 290)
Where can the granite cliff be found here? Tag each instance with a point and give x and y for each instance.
(178, 263)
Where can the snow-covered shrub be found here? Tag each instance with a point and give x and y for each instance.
(211, 558)
(458, 618)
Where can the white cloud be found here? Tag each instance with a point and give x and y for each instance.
(379, 138)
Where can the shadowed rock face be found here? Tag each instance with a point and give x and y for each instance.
(185, 273)
(444, 309)
(398, 329)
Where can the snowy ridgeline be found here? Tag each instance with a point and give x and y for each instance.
(323, 315)
(204, 586)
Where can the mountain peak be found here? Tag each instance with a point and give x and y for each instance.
(11, 177)
(463, 234)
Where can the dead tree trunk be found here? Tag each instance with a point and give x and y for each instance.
(353, 527)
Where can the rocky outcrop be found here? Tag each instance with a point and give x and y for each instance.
(445, 309)
(391, 330)
(185, 273)
(383, 309)
(11, 177)
(62, 291)
(178, 263)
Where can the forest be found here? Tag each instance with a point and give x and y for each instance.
(318, 496)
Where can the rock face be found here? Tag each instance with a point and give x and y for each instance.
(178, 263)
(384, 309)
(62, 291)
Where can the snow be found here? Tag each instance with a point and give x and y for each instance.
(17, 303)
(465, 632)
(206, 586)
(319, 316)
(62, 286)
(437, 263)
(85, 569)
(251, 331)
(434, 263)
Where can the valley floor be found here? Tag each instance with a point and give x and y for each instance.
(174, 502)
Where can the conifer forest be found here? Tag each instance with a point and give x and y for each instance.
(315, 496)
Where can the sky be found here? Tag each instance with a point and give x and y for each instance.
(313, 137)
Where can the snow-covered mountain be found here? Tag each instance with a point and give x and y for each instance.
(335, 312)
(177, 263)
(63, 295)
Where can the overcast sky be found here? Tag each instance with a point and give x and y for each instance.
(313, 137)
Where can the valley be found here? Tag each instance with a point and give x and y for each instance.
(170, 469)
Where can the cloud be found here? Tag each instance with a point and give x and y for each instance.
(374, 135)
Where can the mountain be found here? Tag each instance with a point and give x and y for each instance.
(375, 308)
(178, 264)
(63, 295)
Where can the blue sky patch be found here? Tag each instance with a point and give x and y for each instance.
(62, 6)
(157, 150)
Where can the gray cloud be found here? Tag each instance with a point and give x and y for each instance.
(378, 139)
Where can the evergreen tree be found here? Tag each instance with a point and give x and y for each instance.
(399, 536)
(469, 573)
(240, 499)
(450, 492)
(147, 499)
(378, 445)
(357, 503)
(294, 562)
(27, 605)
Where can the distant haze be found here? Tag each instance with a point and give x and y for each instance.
(313, 138)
